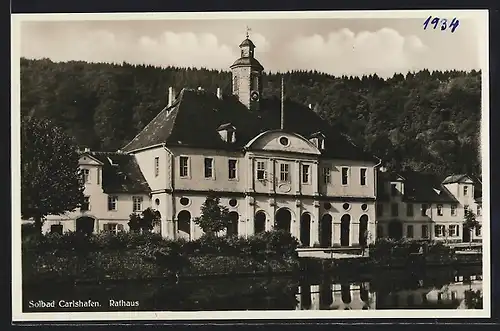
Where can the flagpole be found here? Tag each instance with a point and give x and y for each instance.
(282, 103)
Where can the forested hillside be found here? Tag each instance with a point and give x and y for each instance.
(428, 121)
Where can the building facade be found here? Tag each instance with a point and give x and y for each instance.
(424, 206)
(273, 162)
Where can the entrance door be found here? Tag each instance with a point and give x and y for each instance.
(363, 230)
(85, 225)
(184, 224)
(259, 223)
(305, 229)
(283, 220)
(232, 229)
(345, 230)
(325, 231)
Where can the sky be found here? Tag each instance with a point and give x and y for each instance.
(331, 45)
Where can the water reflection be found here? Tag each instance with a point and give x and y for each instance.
(431, 289)
(460, 292)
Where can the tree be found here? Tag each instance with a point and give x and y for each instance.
(50, 177)
(214, 217)
(470, 222)
(145, 222)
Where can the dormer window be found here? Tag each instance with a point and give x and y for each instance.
(227, 132)
(318, 140)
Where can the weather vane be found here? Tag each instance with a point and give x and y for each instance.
(248, 30)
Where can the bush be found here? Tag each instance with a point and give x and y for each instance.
(385, 248)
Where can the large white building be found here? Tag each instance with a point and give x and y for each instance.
(273, 162)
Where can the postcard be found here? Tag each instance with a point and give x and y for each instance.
(250, 165)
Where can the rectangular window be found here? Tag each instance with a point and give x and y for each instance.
(394, 209)
(453, 210)
(284, 172)
(478, 231)
(326, 175)
(425, 231)
(466, 209)
(183, 166)
(380, 209)
(86, 175)
(394, 190)
(261, 170)
(454, 230)
(98, 176)
(112, 202)
(362, 176)
(305, 173)
(345, 176)
(85, 204)
(56, 228)
(409, 231)
(157, 166)
(440, 210)
(423, 210)
(439, 230)
(137, 203)
(112, 227)
(209, 167)
(231, 164)
(478, 210)
(466, 191)
(409, 209)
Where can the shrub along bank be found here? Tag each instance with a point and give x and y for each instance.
(77, 257)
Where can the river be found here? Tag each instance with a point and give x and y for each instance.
(437, 288)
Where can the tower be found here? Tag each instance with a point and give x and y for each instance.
(247, 76)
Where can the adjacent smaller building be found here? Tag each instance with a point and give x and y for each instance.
(114, 188)
(425, 206)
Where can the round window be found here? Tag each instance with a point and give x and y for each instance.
(157, 201)
(233, 202)
(327, 205)
(346, 206)
(284, 141)
(184, 201)
(364, 206)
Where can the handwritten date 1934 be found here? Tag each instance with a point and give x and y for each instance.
(442, 23)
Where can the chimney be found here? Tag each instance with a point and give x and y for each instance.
(219, 93)
(171, 96)
(282, 104)
(86, 149)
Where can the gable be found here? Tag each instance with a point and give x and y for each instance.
(89, 160)
(278, 141)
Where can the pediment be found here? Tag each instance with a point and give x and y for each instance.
(278, 140)
(87, 159)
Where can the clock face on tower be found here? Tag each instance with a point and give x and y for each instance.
(254, 95)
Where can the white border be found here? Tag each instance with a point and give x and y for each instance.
(480, 16)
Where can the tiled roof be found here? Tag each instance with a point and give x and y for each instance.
(196, 115)
(247, 42)
(418, 187)
(247, 61)
(454, 178)
(425, 187)
(121, 173)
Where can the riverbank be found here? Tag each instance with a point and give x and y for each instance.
(74, 258)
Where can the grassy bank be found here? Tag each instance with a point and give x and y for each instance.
(76, 258)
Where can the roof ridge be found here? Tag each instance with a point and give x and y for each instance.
(166, 108)
(179, 99)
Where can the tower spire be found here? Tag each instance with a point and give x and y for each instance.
(248, 30)
(282, 103)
